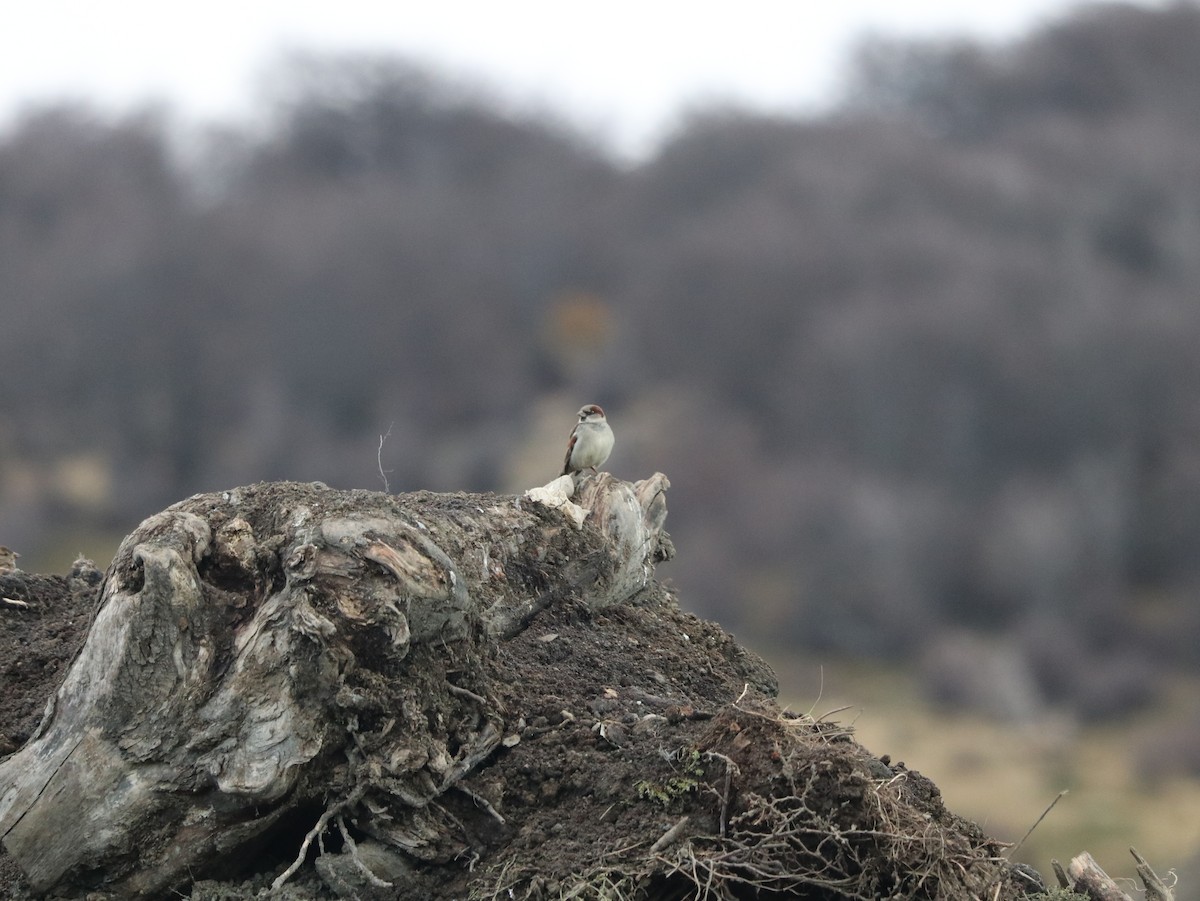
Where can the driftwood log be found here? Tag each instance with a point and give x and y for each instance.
(285, 650)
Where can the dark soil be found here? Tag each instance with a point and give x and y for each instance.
(37, 642)
(632, 723)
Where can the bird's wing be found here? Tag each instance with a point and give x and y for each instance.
(570, 447)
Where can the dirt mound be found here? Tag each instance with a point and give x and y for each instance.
(644, 757)
(38, 641)
(662, 765)
(38, 637)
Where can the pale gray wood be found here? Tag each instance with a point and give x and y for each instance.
(1088, 879)
(213, 695)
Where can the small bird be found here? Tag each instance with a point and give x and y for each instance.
(591, 441)
(8, 559)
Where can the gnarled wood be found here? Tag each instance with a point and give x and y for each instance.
(1156, 889)
(1088, 879)
(280, 646)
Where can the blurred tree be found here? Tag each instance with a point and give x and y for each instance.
(927, 360)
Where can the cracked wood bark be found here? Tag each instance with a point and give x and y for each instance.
(1086, 878)
(281, 648)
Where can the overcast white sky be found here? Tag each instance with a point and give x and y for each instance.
(620, 68)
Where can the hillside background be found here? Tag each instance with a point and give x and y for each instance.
(924, 371)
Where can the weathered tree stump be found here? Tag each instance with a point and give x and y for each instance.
(285, 648)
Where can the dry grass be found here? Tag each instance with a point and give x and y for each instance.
(821, 824)
(1002, 775)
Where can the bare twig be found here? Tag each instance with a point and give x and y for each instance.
(1156, 889)
(670, 835)
(820, 692)
(730, 766)
(15, 602)
(379, 458)
(834, 712)
(330, 812)
(1015, 848)
(466, 693)
(1060, 874)
(481, 801)
(367, 872)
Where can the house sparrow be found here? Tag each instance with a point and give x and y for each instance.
(8, 559)
(591, 441)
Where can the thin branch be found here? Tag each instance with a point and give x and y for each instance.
(1060, 874)
(481, 801)
(367, 872)
(379, 459)
(820, 692)
(1156, 889)
(730, 766)
(466, 693)
(1017, 847)
(330, 812)
(669, 836)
